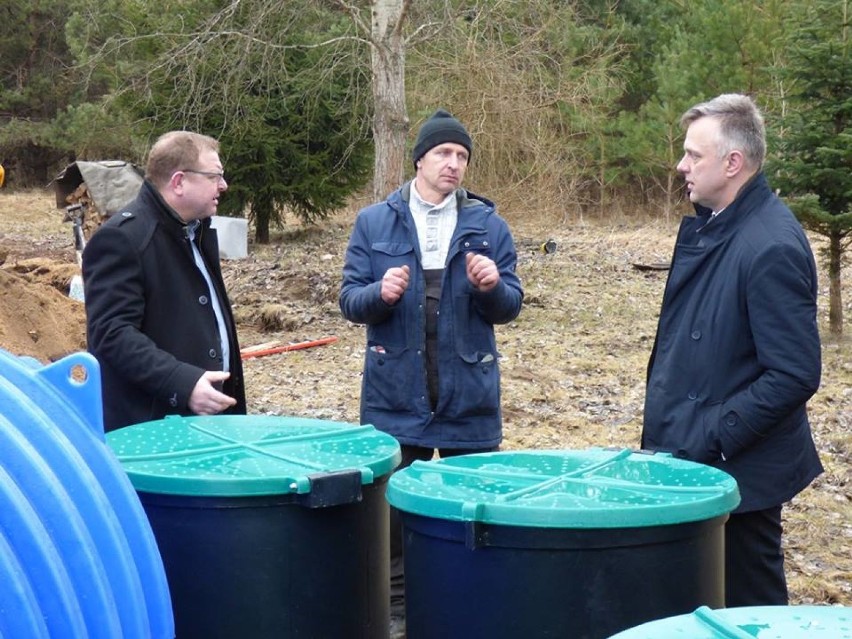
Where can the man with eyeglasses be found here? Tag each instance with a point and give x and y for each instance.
(158, 317)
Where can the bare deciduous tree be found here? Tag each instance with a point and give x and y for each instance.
(390, 117)
(531, 80)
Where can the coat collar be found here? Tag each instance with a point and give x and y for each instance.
(150, 197)
(753, 191)
(400, 198)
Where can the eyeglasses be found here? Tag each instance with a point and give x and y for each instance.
(216, 175)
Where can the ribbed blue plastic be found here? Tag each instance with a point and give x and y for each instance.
(78, 558)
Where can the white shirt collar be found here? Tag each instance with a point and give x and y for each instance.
(435, 224)
(427, 206)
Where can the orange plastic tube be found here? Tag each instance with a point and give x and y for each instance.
(288, 347)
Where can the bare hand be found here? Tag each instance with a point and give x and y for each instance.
(394, 283)
(482, 272)
(205, 399)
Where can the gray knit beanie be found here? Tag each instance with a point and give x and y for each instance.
(438, 129)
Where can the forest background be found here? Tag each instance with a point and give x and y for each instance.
(574, 104)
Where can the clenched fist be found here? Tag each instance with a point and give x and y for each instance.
(394, 283)
(482, 272)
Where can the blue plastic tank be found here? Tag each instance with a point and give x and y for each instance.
(78, 558)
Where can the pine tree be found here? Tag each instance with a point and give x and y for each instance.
(813, 169)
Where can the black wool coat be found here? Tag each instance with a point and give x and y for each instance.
(737, 353)
(149, 318)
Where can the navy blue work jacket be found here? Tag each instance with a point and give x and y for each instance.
(737, 352)
(394, 395)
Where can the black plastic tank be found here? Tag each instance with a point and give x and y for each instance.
(569, 544)
(267, 526)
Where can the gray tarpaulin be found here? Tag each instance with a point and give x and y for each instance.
(111, 184)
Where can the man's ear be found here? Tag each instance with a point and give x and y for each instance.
(176, 181)
(735, 163)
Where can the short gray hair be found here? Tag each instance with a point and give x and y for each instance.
(741, 125)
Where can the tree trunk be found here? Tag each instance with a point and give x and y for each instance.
(670, 194)
(390, 117)
(835, 296)
(602, 204)
(262, 209)
(670, 175)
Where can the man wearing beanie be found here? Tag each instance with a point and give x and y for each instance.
(430, 271)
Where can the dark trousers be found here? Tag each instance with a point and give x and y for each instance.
(754, 559)
(410, 454)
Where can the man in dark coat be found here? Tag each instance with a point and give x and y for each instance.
(158, 318)
(737, 352)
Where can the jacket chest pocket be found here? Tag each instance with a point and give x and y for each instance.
(476, 242)
(387, 255)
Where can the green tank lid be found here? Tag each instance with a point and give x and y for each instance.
(755, 622)
(594, 488)
(248, 455)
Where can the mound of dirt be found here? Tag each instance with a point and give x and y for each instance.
(37, 320)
